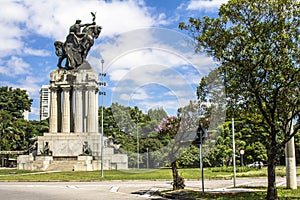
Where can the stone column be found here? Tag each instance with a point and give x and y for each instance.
(85, 110)
(59, 110)
(91, 110)
(78, 125)
(72, 107)
(66, 111)
(53, 111)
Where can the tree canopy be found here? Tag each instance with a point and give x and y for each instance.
(15, 101)
(15, 132)
(256, 45)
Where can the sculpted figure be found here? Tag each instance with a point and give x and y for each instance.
(86, 150)
(46, 150)
(77, 44)
(76, 28)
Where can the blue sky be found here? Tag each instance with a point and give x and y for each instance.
(149, 62)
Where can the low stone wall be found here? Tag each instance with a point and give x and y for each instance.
(82, 163)
(25, 162)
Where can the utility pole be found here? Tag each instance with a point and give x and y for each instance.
(201, 164)
(201, 133)
(233, 154)
(137, 142)
(102, 84)
(147, 157)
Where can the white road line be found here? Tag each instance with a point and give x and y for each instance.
(114, 189)
(72, 186)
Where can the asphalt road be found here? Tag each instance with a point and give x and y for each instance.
(112, 190)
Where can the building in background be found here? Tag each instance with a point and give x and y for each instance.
(26, 115)
(44, 102)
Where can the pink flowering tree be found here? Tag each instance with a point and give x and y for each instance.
(168, 131)
(169, 126)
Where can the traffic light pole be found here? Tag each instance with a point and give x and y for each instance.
(201, 163)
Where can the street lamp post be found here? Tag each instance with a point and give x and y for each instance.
(137, 143)
(233, 154)
(102, 84)
(201, 164)
(147, 157)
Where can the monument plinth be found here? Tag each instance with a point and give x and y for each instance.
(74, 100)
(73, 112)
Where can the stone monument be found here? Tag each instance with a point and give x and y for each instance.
(73, 124)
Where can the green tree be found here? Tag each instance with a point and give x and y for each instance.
(297, 145)
(134, 131)
(256, 44)
(246, 138)
(5, 128)
(14, 130)
(37, 128)
(15, 101)
(221, 153)
(190, 157)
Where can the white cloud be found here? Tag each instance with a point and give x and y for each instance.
(32, 85)
(52, 19)
(140, 94)
(13, 11)
(36, 52)
(12, 15)
(114, 17)
(29, 83)
(150, 46)
(153, 84)
(14, 66)
(206, 5)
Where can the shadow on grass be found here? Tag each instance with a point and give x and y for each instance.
(231, 194)
(225, 195)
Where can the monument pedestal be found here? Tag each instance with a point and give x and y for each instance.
(73, 126)
(84, 163)
(25, 162)
(70, 144)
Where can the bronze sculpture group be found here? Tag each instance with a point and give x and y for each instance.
(77, 44)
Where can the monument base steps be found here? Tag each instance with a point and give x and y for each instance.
(61, 165)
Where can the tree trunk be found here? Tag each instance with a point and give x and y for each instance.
(272, 190)
(178, 182)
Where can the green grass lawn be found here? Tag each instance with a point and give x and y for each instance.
(136, 174)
